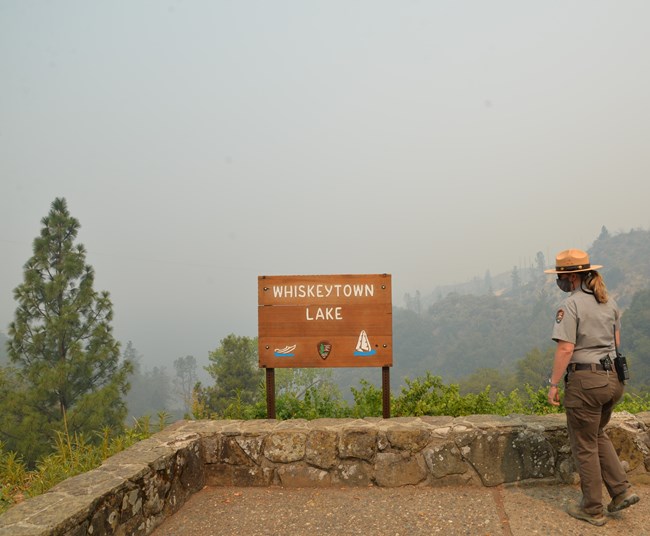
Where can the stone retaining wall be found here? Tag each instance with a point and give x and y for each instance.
(133, 491)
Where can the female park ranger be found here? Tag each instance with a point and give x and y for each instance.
(587, 324)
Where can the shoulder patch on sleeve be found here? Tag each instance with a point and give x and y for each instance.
(559, 316)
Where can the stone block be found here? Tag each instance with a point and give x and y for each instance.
(536, 456)
(292, 424)
(135, 526)
(132, 500)
(629, 446)
(221, 474)
(156, 487)
(567, 472)
(394, 469)
(325, 423)
(382, 441)
(106, 516)
(232, 428)
(643, 417)
(410, 439)
(257, 427)
(189, 465)
(285, 446)
(500, 456)
(439, 426)
(358, 442)
(218, 474)
(232, 453)
(444, 460)
(321, 449)
(212, 448)
(301, 475)
(50, 513)
(251, 445)
(353, 473)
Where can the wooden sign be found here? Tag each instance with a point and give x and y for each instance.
(325, 321)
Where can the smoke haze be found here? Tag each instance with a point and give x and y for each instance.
(201, 144)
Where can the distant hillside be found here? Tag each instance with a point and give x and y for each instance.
(626, 263)
(626, 268)
(489, 322)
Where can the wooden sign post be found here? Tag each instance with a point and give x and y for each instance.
(325, 321)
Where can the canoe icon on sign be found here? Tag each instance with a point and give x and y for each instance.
(287, 351)
(363, 345)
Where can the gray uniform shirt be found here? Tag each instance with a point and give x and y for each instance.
(589, 325)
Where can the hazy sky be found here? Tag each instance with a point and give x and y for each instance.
(203, 143)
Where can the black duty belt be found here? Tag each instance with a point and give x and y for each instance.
(585, 366)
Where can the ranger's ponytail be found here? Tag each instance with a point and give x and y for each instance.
(596, 285)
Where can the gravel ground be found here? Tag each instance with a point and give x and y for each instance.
(503, 510)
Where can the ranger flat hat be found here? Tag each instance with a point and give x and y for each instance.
(572, 260)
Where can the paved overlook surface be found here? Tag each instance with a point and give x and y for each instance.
(517, 510)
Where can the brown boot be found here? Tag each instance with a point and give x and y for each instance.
(575, 510)
(623, 500)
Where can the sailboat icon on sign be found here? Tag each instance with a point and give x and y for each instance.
(363, 345)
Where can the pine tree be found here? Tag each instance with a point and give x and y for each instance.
(150, 391)
(185, 380)
(604, 233)
(487, 281)
(635, 335)
(4, 358)
(516, 280)
(61, 343)
(235, 371)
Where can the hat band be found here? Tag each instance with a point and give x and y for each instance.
(573, 268)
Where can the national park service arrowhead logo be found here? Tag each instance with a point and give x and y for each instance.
(324, 349)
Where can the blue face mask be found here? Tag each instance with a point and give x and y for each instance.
(564, 284)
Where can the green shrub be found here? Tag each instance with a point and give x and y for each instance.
(368, 401)
(73, 455)
(634, 403)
